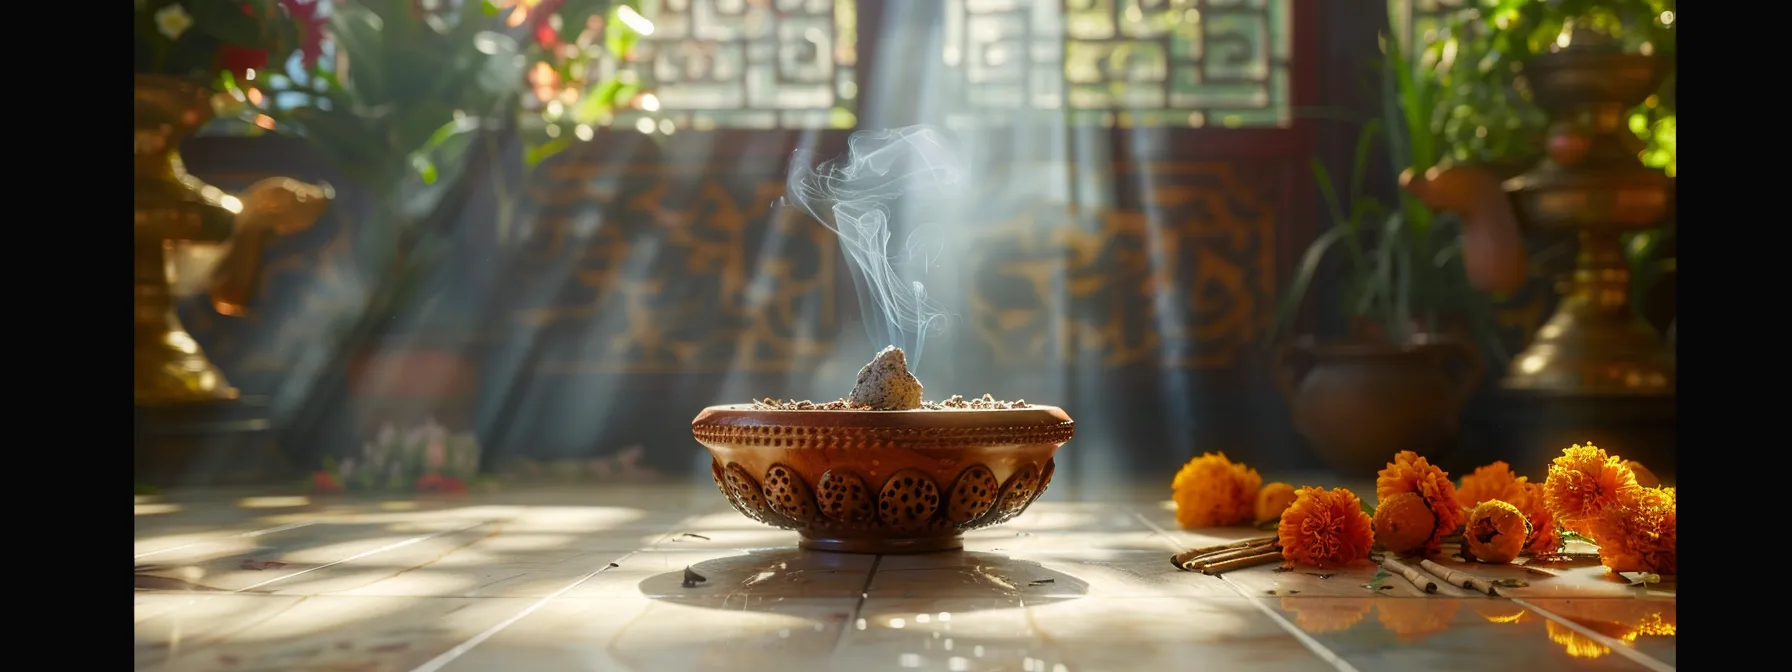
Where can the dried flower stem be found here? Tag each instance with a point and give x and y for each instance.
(1262, 558)
(1419, 579)
(1198, 556)
(1456, 578)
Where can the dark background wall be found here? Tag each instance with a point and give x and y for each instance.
(600, 302)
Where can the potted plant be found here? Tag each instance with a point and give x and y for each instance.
(1400, 378)
(1410, 269)
(1489, 121)
(418, 108)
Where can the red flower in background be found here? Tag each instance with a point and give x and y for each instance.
(440, 483)
(540, 25)
(311, 30)
(325, 481)
(240, 60)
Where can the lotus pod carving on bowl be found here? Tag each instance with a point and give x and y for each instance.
(882, 481)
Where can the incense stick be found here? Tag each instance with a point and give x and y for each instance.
(1241, 563)
(1192, 554)
(1456, 578)
(1419, 579)
(1222, 556)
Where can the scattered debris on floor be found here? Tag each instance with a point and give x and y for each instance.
(693, 535)
(691, 579)
(1041, 582)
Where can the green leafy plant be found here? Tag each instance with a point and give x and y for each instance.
(416, 93)
(198, 39)
(416, 102)
(414, 90)
(1486, 114)
(1402, 264)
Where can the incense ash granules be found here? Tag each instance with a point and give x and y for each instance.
(954, 403)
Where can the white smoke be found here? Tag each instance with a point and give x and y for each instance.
(854, 194)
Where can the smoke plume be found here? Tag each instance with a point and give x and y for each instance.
(856, 195)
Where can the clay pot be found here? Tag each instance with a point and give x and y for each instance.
(882, 481)
(1360, 403)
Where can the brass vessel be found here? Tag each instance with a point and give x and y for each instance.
(178, 216)
(1591, 185)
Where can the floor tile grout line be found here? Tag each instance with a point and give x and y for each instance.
(389, 547)
(241, 535)
(858, 606)
(446, 657)
(1634, 655)
(1312, 645)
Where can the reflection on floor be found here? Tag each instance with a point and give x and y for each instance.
(668, 578)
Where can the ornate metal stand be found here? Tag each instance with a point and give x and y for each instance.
(1592, 185)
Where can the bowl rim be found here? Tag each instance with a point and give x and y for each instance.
(745, 415)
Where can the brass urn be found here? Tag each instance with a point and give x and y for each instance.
(1591, 185)
(180, 216)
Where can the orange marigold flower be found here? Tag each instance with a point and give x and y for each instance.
(1546, 534)
(1325, 528)
(1212, 491)
(1583, 482)
(1272, 500)
(1494, 481)
(1403, 523)
(1496, 532)
(1639, 534)
(1411, 473)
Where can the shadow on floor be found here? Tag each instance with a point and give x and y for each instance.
(731, 583)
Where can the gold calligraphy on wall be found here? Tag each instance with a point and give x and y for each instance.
(660, 272)
(1187, 281)
(657, 270)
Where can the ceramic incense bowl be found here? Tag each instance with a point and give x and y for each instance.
(882, 481)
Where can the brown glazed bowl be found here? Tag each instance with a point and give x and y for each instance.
(882, 481)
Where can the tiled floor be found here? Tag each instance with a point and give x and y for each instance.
(593, 579)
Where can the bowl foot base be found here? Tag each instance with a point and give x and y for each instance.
(948, 542)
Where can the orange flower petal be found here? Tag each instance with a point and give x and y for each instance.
(1325, 528)
(1212, 491)
(1411, 473)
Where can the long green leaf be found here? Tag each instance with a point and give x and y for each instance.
(1381, 285)
(1303, 277)
(1411, 107)
(1401, 296)
(358, 33)
(1327, 192)
(1359, 167)
(545, 151)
